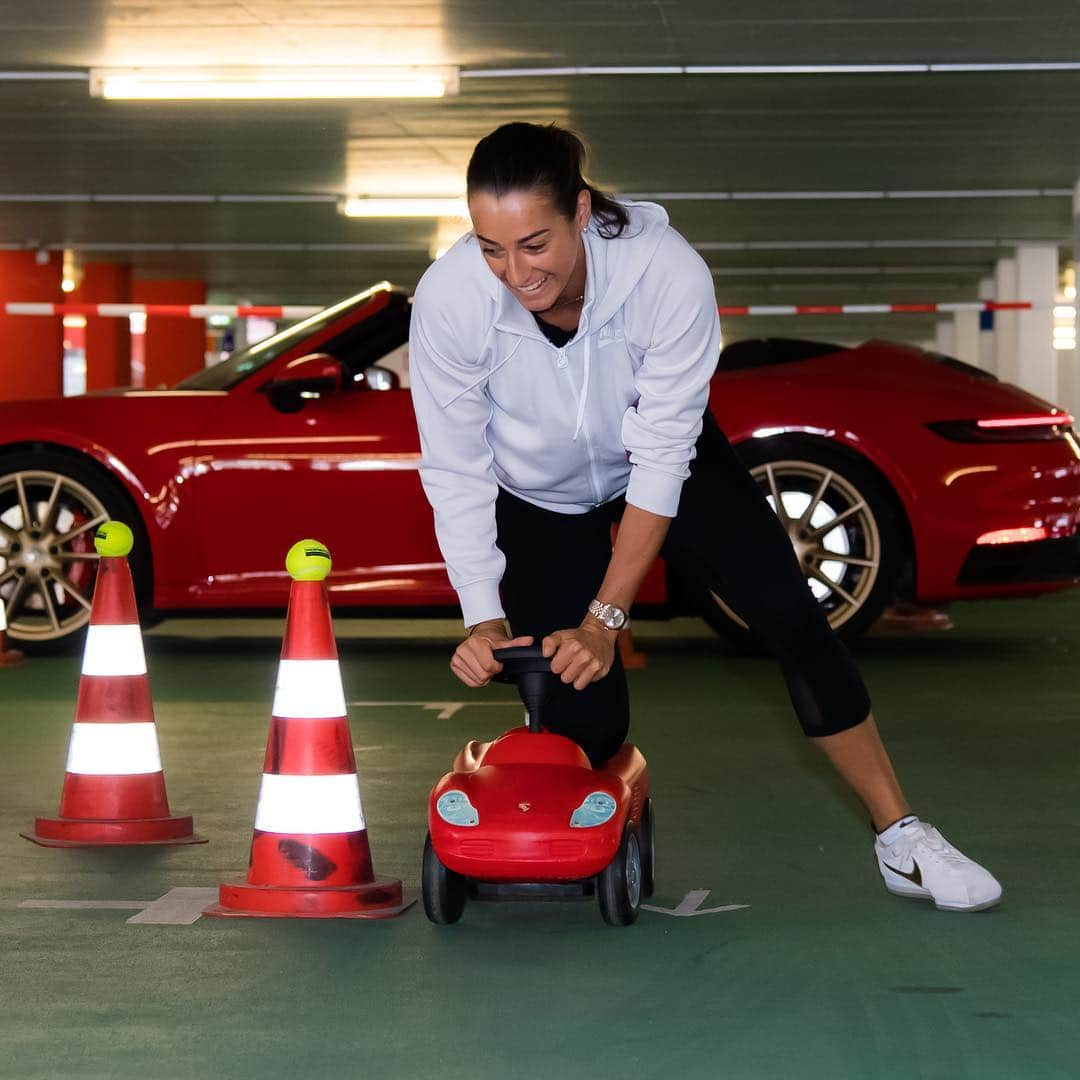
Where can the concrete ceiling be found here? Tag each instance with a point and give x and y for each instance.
(655, 135)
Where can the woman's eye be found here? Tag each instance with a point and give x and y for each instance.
(489, 251)
(535, 250)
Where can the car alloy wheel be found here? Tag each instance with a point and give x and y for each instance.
(841, 522)
(47, 559)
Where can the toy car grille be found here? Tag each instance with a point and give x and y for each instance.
(477, 849)
(565, 849)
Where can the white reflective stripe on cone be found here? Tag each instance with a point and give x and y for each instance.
(114, 650)
(3, 616)
(113, 750)
(309, 689)
(309, 804)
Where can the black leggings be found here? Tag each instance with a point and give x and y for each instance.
(556, 562)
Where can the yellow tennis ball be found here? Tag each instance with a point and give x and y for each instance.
(308, 560)
(113, 538)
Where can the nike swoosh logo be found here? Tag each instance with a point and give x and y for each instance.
(915, 875)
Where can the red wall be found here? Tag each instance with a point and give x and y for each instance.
(31, 346)
(175, 346)
(108, 339)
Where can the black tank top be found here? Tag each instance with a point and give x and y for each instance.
(555, 334)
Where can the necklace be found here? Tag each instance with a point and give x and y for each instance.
(563, 303)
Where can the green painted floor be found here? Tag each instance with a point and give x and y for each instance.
(823, 975)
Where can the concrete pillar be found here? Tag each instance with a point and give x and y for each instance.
(31, 346)
(1069, 359)
(1036, 280)
(108, 340)
(945, 338)
(966, 336)
(1005, 326)
(986, 327)
(175, 346)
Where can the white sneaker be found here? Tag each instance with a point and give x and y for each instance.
(921, 863)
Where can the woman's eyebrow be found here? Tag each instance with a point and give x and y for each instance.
(523, 240)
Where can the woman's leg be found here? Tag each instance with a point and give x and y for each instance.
(728, 538)
(554, 565)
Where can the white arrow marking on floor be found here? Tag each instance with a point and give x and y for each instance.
(445, 709)
(178, 907)
(691, 905)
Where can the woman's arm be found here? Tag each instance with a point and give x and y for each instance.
(641, 535)
(585, 654)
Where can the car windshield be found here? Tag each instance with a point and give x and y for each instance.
(228, 373)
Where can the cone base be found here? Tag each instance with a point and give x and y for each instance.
(379, 899)
(10, 658)
(103, 832)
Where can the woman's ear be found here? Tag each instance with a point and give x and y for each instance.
(584, 209)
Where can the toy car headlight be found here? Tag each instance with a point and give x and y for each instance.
(598, 808)
(455, 809)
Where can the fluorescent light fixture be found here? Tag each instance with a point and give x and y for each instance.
(918, 68)
(363, 206)
(1064, 311)
(281, 83)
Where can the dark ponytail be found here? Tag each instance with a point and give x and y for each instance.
(524, 157)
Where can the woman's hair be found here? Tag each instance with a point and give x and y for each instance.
(524, 157)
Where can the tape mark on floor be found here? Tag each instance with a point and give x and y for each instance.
(691, 905)
(178, 907)
(445, 709)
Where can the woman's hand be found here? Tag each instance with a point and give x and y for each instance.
(581, 656)
(473, 662)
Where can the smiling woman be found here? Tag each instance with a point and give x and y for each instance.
(561, 357)
(529, 213)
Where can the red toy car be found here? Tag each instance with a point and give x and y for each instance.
(897, 472)
(527, 817)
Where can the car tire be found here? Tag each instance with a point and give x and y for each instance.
(619, 885)
(443, 891)
(860, 578)
(48, 599)
(647, 844)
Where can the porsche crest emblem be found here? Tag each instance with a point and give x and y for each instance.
(524, 807)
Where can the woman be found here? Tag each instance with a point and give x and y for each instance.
(560, 357)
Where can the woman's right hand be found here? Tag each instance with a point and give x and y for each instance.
(473, 661)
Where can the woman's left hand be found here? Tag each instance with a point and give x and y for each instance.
(581, 656)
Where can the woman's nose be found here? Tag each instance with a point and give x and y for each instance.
(517, 272)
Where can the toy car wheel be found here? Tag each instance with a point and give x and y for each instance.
(618, 888)
(647, 842)
(443, 891)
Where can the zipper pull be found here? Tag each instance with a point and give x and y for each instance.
(562, 361)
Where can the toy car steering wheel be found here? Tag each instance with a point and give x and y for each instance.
(527, 666)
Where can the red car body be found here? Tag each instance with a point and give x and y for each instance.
(223, 481)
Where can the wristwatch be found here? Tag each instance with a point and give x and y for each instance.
(613, 618)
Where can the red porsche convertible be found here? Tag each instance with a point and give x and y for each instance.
(897, 472)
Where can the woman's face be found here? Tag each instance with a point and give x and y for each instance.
(531, 247)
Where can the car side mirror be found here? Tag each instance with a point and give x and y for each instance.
(307, 378)
(376, 378)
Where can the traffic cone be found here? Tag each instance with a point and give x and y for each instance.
(114, 787)
(8, 657)
(309, 850)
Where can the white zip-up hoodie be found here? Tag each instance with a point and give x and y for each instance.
(618, 409)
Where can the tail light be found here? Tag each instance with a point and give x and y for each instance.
(1026, 427)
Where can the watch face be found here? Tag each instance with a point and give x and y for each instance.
(615, 618)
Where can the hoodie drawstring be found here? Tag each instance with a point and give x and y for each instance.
(584, 392)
